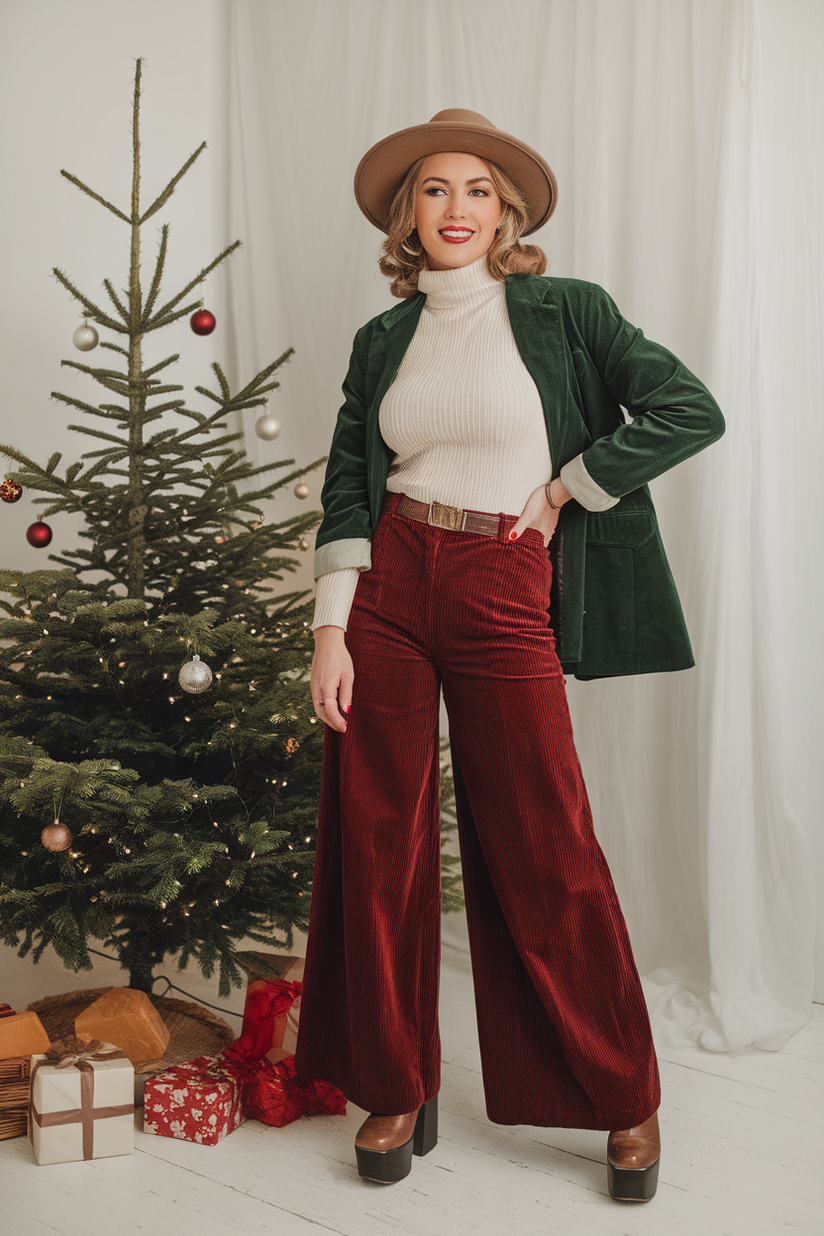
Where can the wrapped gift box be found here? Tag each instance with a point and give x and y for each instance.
(199, 1101)
(82, 1102)
(15, 1092)
(127, 1018)
(21, 1034)
(272, 1010)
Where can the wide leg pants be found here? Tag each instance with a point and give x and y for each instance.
(564, 1032)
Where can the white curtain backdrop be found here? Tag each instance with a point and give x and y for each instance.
(686, 138)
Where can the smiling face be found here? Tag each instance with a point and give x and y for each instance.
(456, 210)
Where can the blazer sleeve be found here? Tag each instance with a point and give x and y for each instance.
(673, 415)
(344, 538)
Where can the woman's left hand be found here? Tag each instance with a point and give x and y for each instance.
(537, 512)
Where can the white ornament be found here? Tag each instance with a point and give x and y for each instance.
(85, 338)
(195, 676)
(267, 427)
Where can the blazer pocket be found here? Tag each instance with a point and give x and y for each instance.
(628, 525)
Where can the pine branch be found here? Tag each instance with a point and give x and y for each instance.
(113, 347)
(170, 360)
(11, 453)
(158, 271)
(107, 411)
(96, 196)
(170, 187)
(98, 433)
(253, 386)
(91, 308)
(224, 385)
(157, 322)
(169, 306)
(94, 370)
(115, 299)
(89, 408)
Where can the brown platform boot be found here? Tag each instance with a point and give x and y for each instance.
(633, 1156)
(384, 1145)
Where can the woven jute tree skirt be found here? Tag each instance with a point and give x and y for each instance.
(195, 1031)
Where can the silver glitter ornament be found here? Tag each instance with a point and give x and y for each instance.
(85, 338)
(195, 676)
(267, 427)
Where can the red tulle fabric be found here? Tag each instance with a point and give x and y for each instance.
(271, 1091)
(275, 1096)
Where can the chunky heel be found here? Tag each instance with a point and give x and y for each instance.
(632, 1184)
(389, 1166)
(425, 1137)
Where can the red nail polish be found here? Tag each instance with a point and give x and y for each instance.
(348, 706)
(512, 535)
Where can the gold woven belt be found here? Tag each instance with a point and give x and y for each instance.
(441, 516)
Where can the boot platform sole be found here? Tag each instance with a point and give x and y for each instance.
(389, 1166)
(632, 1184)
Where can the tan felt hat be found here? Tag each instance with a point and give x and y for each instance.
(382, 169)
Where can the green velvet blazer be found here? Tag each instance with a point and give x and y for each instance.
(614, 607)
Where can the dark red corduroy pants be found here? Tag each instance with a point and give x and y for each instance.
(564, 1032)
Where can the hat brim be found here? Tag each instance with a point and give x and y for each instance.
(381, 170)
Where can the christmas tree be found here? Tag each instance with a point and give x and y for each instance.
(159, 752)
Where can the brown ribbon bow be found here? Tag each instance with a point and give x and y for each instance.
(78, 1053)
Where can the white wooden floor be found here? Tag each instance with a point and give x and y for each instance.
(743, 1155)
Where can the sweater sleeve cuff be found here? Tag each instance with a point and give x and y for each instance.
(583, 488)
(354, 551)
(336, 591)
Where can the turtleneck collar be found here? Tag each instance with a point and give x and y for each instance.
(449, 289)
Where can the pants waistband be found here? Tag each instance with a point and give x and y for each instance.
(452, 518)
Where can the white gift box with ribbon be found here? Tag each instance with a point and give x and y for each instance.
(82, 1103)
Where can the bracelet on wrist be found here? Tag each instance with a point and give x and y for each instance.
(554, 506)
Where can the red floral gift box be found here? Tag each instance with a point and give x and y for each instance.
(199, 1101)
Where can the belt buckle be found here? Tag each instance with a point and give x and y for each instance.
(442, 516)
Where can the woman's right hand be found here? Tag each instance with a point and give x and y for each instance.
(333, 676)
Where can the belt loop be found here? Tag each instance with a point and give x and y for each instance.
(391, 501)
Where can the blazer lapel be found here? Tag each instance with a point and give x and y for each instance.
(540, 337)
(393, 335)
(539, 333)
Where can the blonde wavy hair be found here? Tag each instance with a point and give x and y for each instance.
(402, 256)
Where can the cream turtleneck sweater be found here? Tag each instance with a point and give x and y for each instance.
(463, 415)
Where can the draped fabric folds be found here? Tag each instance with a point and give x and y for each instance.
(686, 138)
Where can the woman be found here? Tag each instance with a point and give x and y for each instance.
(482, 423)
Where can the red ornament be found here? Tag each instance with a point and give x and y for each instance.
(10, 491)
(202, 322)
(38, 534)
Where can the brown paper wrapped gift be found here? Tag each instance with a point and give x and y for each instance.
(21, 1034)
(82, 1102)
(128, 1019)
